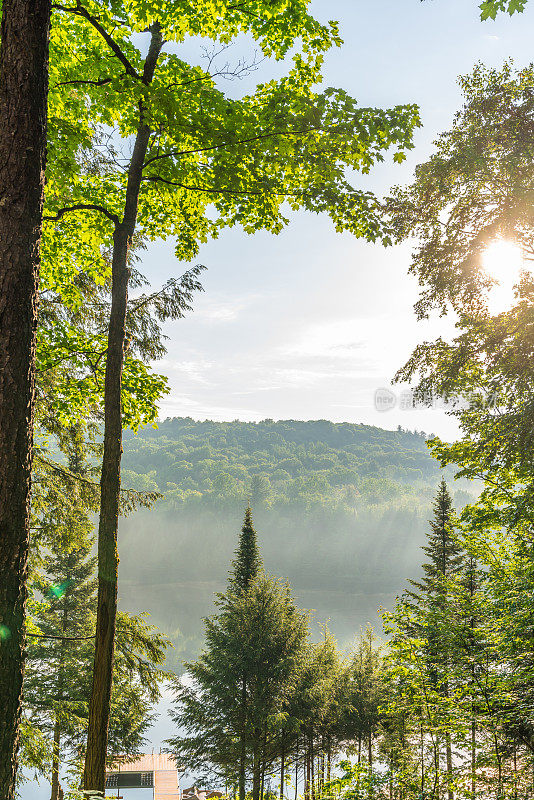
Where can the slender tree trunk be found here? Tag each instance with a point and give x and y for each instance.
(312, 770)
(54, 794)
(56, 788)
(243, 753)
(256, 772)
(370, 750)
(307, 772)
(282, 772)
(448, 749)
(329, 763)
(263, 759)
(422, 761)
(473, 757)
(296, 768)
(108, 559)
(23, 104)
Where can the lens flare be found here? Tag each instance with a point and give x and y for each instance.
(58, 590)
(5, 633)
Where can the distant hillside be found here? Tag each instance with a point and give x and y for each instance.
(340, 509)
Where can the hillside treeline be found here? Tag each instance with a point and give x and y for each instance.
(276, 461)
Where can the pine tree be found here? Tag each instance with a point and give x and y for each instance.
(247, 563)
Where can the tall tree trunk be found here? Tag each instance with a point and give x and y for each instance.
(23, 113)
(108, 559)
(370, 750)
(329, 763)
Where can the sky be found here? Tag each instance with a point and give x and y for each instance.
(310, 324)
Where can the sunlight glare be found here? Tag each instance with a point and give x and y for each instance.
(503, 261)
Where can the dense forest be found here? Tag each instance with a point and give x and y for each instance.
(341, 509)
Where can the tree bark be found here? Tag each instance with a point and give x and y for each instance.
(23, 113)
(108, 559)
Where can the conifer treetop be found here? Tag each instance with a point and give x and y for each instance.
(444, 553)
(247, 563)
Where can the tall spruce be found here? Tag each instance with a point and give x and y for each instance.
(247, 563)
(445, 562)
(246, 566)
(444, 553)
(258, 633)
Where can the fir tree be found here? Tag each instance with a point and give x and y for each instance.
(247, 563)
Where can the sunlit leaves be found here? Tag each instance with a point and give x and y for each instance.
(490, 8)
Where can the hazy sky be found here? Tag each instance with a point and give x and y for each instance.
(308, 324)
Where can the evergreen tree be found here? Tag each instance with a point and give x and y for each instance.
(247, 563)
(55, 686)
(432, 620)
(443, 551)
(260, 634)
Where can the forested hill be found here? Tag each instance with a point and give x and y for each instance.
(319, 459)
(340, 509)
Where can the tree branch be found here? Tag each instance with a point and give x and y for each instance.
(82, 12)
(85, 207)
(175, 153)
(215, 190)
(62, 638)
(101, 82)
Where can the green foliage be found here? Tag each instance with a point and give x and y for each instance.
(490, 8)
(61, 623)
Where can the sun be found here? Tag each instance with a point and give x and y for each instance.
(502, 260)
